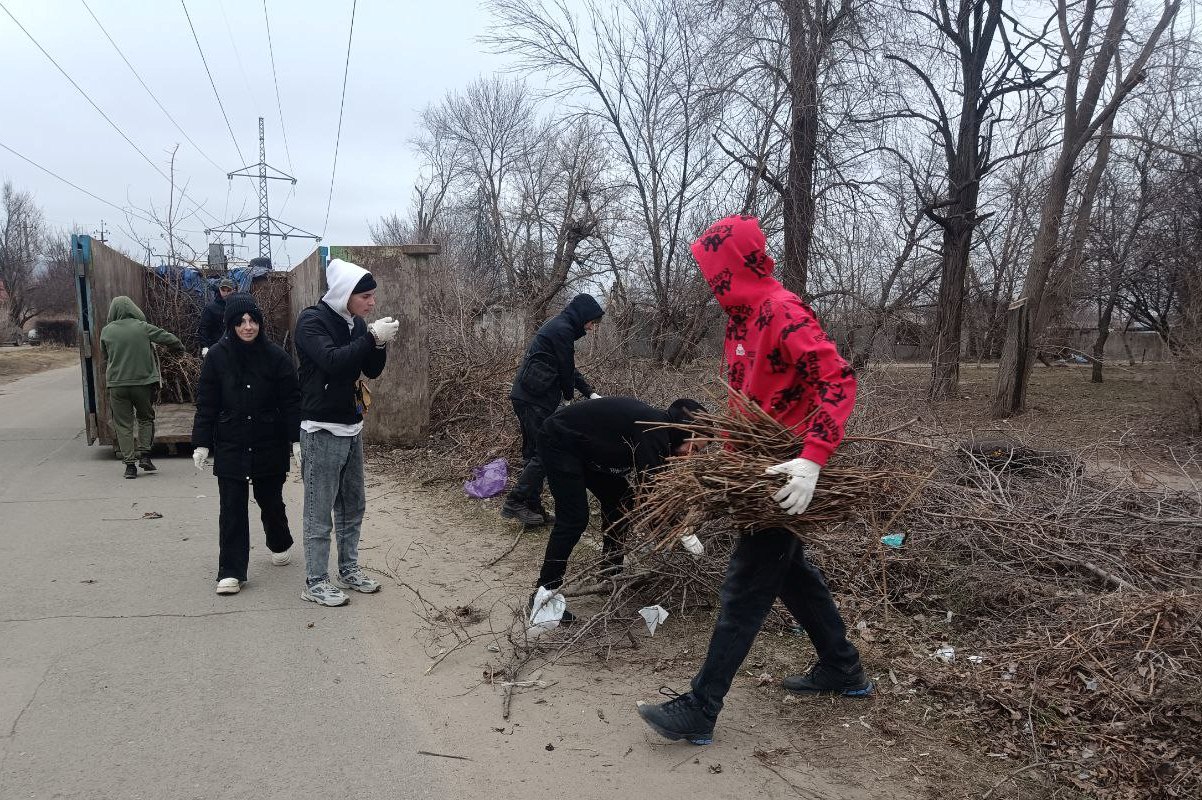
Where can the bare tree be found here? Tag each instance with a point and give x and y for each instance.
(1092, 55)
(22, 234)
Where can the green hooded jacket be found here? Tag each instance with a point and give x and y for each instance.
(126, 343)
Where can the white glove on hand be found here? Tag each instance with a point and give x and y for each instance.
(692, 544)
(296, 452)
(204, 351)
(797, 493)
(594, 396)
(384, 330)
(199, 456)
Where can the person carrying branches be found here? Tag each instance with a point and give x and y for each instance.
(779, 357)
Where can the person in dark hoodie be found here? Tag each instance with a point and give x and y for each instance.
(337, 348)
(248, 418)
(131, 373)
(546, 378)
(212, 317)
(779, 357)
(599, 447)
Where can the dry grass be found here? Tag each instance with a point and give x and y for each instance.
(18, 362)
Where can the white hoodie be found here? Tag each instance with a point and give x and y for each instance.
(341, 277)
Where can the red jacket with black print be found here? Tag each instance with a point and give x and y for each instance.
(776, 352)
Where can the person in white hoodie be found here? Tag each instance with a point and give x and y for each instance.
(337, 349)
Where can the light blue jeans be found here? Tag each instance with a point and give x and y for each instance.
(332, 468)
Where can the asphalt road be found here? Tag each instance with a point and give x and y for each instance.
(122, 674)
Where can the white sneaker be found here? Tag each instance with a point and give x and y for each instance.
(229, 586)
(280, 559)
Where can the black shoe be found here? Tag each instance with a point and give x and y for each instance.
(523, 515)
(145, 463)
(679, 718)
(548, 517)
(131, 470)
(821, 680)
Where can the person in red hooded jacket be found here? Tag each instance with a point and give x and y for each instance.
(778, 355)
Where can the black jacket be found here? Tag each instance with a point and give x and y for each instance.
(212, 323)
(548, 370)
(332, 358)
(612, 434)
(247, 410)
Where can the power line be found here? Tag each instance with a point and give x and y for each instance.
(276, 80)
(238, 56)
(99, 111)
(53, 174)
(147, 88)
(212, 83)
(341, 104)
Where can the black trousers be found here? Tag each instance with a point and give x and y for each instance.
(765, 565)
(571, 481)
(234, 522)
(528, 490)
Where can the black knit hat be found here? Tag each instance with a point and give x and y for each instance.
(238, 304)
(365, 284)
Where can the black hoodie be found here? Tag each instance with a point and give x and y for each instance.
(548, 371)
(614, 435)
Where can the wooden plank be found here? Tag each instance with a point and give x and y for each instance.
(400, 412)
(173, 423)
(109, 275)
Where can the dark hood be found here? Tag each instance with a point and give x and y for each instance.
(733, 257)
(583, 309)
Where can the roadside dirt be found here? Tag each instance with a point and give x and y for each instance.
(578, 719)
(17, 362)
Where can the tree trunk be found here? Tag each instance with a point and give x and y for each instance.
(1016, 361)
(798, 200)
(1099, 344)
(1010, 389)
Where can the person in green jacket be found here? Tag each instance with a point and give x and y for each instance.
(131, 373)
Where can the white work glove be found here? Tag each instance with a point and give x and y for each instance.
(296, 452)
(204, 351)
(797, 493)
(384, 330)
(692, 544)
(199, 456)
(594, 396)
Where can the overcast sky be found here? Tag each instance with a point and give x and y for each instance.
(404, 55)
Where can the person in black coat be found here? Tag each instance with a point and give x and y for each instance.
(546, 378)
(248, 419)
(212, 317)
(598, 447)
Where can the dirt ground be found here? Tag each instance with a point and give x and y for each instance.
(1134, 417)
(17, 362)
(900, 743)
(579, 715)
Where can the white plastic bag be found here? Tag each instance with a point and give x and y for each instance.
(545, 612)
(653, 616)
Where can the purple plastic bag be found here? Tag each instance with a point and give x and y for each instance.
(488, 480)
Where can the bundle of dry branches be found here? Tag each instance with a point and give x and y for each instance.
(728, 479)
(180, 373)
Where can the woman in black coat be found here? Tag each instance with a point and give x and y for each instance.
(248, 418)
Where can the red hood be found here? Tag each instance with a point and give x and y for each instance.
(732, 254)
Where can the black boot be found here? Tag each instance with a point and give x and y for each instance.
(131, 470)
(679, 718)
(523, 515)
(145, 463)
(821, 680)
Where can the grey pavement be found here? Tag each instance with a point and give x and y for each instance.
(122, 674)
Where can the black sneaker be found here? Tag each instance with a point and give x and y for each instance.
(679, 718)
(146, 464)
(821, 680)
(131, 470)
(523, 515)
